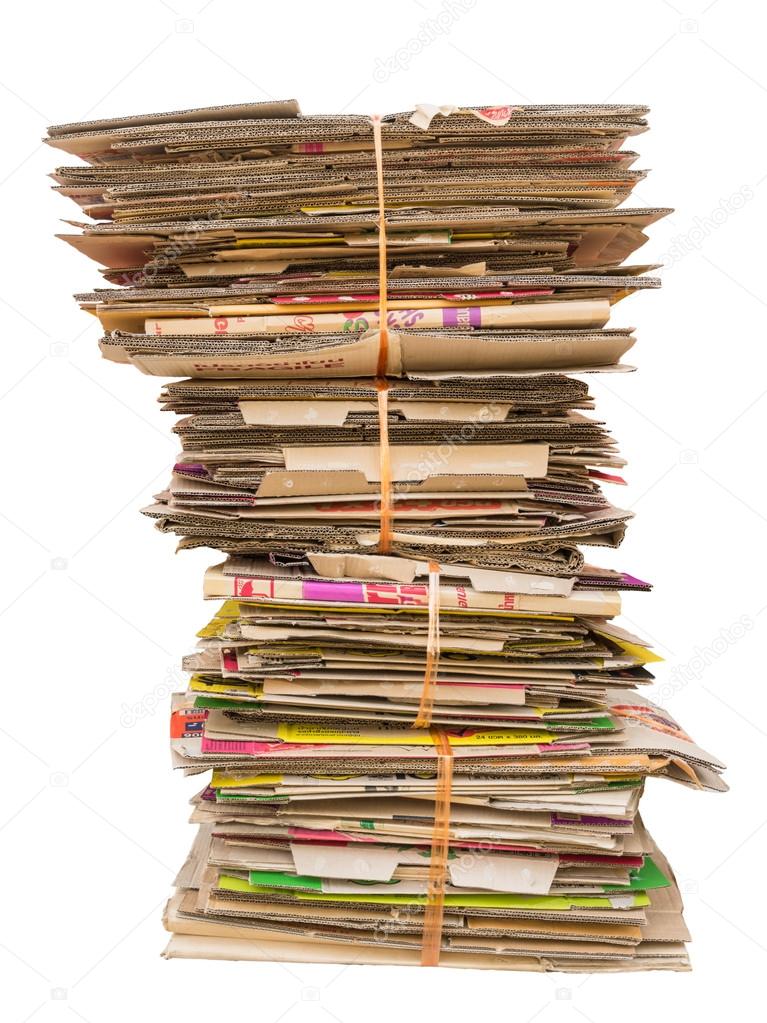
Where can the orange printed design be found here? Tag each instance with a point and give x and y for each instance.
(652, 717)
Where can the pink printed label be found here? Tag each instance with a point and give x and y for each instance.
(496, 115)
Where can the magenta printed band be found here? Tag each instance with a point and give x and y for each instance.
(349, 593)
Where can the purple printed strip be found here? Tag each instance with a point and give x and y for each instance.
(470, 316)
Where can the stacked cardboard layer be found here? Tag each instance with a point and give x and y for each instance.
(361, 700)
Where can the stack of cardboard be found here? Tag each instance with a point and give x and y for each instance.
(423, 721)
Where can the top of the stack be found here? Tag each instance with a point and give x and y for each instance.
(605, 120)
(228, 112)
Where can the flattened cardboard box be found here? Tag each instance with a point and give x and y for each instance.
(422, 355)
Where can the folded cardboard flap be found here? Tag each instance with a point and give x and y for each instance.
(364, 566)
(417, 462)
(332, 412)
(116, 252)
(352, 484)
(256, 579)
(405, 570)
(500, 873)
(532, 875)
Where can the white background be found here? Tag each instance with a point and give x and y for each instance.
(96, 610)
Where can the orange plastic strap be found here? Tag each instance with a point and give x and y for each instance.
(387, 502)
(440, 842)
(440, 848)
(426, 706)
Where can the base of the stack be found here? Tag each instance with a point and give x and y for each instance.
(572, 948)
(670, 956)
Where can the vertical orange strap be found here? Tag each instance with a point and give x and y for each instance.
(440, 843)
(387, 502)
(440, 849)
(426, 706)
